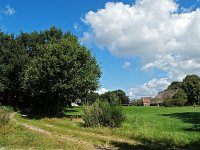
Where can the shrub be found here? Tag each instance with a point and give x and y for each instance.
(103, 113)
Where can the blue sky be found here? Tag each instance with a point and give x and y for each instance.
(141, 46)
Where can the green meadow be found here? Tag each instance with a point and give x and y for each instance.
(144, 128)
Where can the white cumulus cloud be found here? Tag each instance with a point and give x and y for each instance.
(150, 88)
(157, 32)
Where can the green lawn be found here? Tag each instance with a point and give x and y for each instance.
(178, 126)
(145, 128)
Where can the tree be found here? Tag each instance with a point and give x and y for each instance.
(122, 96)
(117, 94)
(13, 58)
(91, 97)
(110, 97)
(61, 71)
(175, 85)
(180, 94)
(192, 88)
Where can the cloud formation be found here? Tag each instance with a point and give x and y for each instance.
(150, 88)
(126, 65)
(101, 91)
(9, 11)
(77, 28)
(158, 32)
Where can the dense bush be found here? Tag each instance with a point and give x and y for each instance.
(103, 113)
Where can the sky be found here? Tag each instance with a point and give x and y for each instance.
(140, 45)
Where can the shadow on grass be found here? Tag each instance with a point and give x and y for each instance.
(188, 117)
(153, 146)
(143, 146)
(194, 145)
(68, 113)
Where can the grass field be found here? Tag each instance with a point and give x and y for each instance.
(145, 128)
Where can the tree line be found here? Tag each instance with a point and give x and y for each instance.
(44, 71)
(178, 93)
(110, 96)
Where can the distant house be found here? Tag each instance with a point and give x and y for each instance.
(146, 101)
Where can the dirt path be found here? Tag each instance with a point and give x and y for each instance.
(75, 140)
(95, 135)
(45, 132)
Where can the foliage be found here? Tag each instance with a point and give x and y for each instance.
(180, 94)
(192, 88)
(188, 90)
(137, 102)
(91, 97)
(103, 113)
(45, 70)
(178, 99)
(13, 58)
(175, 85)
(109, 97)
(122, 96)
(117, 94)
(7, 108)
(62, 71)
(174, 102)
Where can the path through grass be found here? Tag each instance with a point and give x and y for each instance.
(145, 128)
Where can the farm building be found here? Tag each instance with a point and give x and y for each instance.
(146, 101)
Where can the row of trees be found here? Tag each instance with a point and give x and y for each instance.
(45, 70)
(178, 93)
(110, 96)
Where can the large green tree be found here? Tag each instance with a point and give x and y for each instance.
(192, 88)
(61, 71)
(45, 70)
